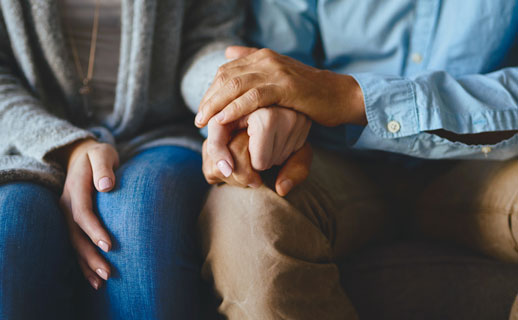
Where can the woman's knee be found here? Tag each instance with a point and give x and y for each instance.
(157, 198)
(151, 216)
(31, 220)
(36, 258)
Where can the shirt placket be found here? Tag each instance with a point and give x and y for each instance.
(426, 15)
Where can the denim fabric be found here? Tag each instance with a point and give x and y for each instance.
(151, 216)
(36, 260)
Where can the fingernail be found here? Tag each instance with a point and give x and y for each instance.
(199, 117)
(225, 168)
(102, 273)
(286, 185)
(220, 117)
(103, 245)
(105, 183)
(93, 282)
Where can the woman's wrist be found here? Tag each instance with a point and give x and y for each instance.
(66, 154)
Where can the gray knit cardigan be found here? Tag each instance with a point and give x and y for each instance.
(41, 110)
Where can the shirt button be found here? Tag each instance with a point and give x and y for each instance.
(416, 58)
(486, 150)
(393, 126)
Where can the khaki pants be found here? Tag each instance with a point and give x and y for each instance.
(274, 258)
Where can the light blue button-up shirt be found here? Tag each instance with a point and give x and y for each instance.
(423, 65)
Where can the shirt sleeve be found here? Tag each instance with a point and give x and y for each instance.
(401, 112)
(289, 27)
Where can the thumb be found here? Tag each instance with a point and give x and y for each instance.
(103, 160)
(236, 52)
(294, 171)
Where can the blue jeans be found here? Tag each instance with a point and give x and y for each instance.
(36, 260)
(151, 217)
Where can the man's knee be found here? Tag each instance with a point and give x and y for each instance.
(475, 204)
(258, 216)
(256, 246)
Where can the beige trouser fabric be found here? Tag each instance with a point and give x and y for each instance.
(514, 310)
(274, 258)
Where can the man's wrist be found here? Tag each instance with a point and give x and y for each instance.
(355, 103)
(350, 101)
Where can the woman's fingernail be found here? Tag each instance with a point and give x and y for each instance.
(220, 117)
(103, 245)
(286, 185)
(93, 282)
(199, 117)
(105, 183)
(102, 273)
(225, 168)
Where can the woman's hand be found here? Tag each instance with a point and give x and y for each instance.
(294, 171)
(264, 78)
(242, 175)
(89, 165)
(275, 134)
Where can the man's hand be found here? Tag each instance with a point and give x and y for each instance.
(89, 165)
(293, 172)
(264, 78)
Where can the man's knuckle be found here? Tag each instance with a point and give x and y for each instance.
(254, 95)
(235, 84)
(222, 77)
(265, 52)
(221, 69)
(236, 108)
(286, 81)
(273, 62)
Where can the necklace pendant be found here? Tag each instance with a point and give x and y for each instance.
(85, 89)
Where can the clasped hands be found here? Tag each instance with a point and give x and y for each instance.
(248, 132)
(275, 98)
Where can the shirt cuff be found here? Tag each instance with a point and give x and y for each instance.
(390, 105)
(430, 146)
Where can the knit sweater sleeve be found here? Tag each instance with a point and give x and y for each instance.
(26, 127)
(210, 27)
